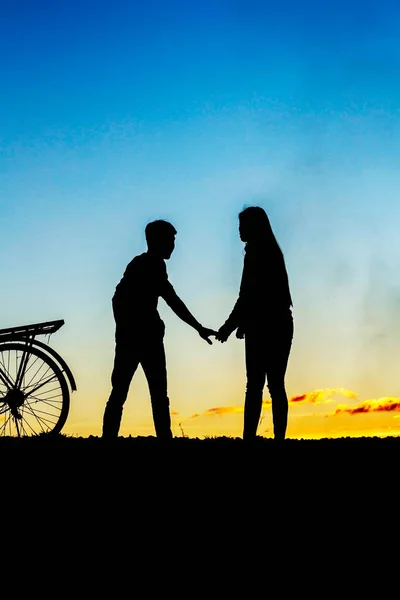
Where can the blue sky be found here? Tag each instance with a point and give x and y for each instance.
(115, 113)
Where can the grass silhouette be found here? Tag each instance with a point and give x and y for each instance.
(207, 446)
(210, 476)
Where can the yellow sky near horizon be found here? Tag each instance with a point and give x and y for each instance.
(323, 413)
(210, 382)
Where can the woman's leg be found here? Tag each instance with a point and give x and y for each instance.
(279, 345)
(255, 372)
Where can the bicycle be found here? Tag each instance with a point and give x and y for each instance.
(35, 382)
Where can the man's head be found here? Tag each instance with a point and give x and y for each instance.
(160, 237)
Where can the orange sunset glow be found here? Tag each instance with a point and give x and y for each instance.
(324, 398)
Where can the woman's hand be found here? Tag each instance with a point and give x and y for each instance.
(239, 333)
(223, 333)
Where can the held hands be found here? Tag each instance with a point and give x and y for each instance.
(221, 335)
(205, 333)
(224, 333)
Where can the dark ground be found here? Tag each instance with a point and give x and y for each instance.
(200, 461)
(206, 493)
(129, 446)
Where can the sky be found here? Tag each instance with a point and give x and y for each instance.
(113, 114)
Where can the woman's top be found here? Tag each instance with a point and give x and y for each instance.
(264, 294)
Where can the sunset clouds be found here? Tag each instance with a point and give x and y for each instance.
(324, 418)
(320, 396)
(381, 405)
(323, 395)
(218, 411)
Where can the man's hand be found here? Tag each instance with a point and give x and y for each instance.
(205, 333)
(239, 333)
(223, 334)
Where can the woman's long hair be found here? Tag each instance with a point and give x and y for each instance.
(256, 226)
(256, 223)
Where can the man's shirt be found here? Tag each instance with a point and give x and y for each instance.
(136, 296)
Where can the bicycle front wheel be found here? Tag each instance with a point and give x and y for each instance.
(34, 394)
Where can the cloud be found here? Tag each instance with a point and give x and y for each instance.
(322, 395)
(222, 410)
(381, 405)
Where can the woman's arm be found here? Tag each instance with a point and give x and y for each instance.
(236, 315)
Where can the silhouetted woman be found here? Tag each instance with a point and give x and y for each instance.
(263, 316)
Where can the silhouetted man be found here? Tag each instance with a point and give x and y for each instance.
(140, 331)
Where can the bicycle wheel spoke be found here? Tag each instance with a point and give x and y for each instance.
(22, 365)
(31, 365)
(43, 394)
(22, 427)
(44, 405)
(38, 410)
(39, 385)
(4, 427)
(30, 426)
(41, 399)
(2, 360)
(34, 415)
(36, 372)
(5, 376)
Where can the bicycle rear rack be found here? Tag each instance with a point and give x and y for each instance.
(29, 331)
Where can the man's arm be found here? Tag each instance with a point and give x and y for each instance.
(178, 306)
(180, 309)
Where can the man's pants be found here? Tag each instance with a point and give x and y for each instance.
(148, 351)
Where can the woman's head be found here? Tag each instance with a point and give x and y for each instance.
(256, 231)
(254, 225)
